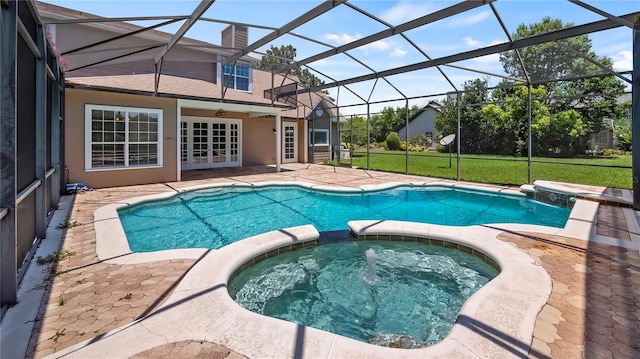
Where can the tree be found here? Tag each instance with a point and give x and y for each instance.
(277, 57)
(556, 134)
(359, 126)
(547, 61)
(474, 131)
(622, 126)
(594, 98)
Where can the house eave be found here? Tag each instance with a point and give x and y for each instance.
(253, 107)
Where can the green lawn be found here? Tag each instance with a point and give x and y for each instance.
(504, 169)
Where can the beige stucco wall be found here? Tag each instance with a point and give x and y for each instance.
(74, 127)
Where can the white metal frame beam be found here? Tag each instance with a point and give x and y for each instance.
(409, 25)
(301, 20)
(489, 50)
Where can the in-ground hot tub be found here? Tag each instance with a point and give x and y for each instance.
(390, 293)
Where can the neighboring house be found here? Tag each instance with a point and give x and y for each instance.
(123, 125)
(423, 122)
(605, 138)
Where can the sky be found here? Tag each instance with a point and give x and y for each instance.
(469, 30)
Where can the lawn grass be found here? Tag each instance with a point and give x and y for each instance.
(504, 169)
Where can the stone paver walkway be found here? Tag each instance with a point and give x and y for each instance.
(594, 308)
(593, 312)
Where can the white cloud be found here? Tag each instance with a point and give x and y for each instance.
(376, 46)
(405, 11)
(488, 59)
(342, 38)
(398, 52)
(469, 19)
(379, 45)
(623, 61)
(471, 42)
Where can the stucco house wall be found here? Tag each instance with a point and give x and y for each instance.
(75, 135)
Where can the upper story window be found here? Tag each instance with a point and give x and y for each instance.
(122, 137)
(239, 79)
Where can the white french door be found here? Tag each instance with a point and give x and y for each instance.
(210, 143)
(289, 142)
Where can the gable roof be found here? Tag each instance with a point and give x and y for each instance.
(433, 105)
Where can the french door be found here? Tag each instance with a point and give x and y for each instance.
(210, 143)
(289, 143)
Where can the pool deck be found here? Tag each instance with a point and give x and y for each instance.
(593, 310)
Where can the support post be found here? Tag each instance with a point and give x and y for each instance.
(529, 141)
(351, 148)
(8, 119)
(41, 136)
(459, 102)
(278, 141)
(56, 117)
(406, 146)
(368, 136)
(635, 114)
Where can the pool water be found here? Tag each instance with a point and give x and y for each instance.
(413, 301)
(213, 218)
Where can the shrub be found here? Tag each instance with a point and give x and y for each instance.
(393, 141)
(419, 140)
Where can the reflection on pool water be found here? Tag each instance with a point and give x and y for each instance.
(399, 294)
(215, 217)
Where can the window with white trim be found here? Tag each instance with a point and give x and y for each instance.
(240, 77)
(122, 137)
(320, 137)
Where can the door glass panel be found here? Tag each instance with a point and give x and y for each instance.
(233, 142)
(200, 143)
(289, 142)
(184, 144)
(218, 143)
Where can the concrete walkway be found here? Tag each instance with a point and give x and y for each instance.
(593, 311)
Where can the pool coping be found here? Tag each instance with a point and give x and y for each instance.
(112, 245)
(200, 309)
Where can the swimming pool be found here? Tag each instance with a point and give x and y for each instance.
(215, 217)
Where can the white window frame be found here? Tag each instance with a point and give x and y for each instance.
(311, 132)
(124, 110)
(235, 76)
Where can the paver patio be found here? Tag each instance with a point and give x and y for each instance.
(593, 311)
